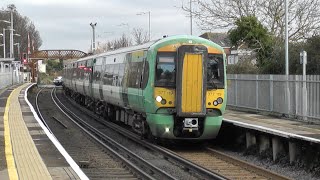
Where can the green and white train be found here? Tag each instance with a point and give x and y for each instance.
(172, 88)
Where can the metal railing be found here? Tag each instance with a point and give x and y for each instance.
(268, 93)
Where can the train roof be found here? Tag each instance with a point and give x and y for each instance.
(147, 46)
(121, 50)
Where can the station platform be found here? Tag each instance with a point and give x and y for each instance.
(26, 151)
(291, 129)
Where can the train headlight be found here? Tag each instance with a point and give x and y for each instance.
(167, 129)
(215, 103)
(158, 98)
(220, 100)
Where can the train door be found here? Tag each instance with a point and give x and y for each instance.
(191, 80)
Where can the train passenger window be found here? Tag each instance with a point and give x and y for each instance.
(108, 76)
(97, 73)
(165, 70)
(121, 73)
(215, 71)
(145, 76)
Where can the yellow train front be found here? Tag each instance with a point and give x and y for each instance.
(188, 95)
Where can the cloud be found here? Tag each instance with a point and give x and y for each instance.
(64, 24)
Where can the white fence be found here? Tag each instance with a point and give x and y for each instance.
(9, 78)
(268, 93)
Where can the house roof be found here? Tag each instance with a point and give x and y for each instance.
(221, 39)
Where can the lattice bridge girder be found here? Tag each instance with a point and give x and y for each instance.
(58, 54)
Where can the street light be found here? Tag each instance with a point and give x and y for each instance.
(4, 38)
(5, 21)
(18, 44)
(148, 12)
(12, 8)
(3, 41)
(93, 36)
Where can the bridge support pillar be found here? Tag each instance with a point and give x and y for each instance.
(294, 151)
(264, 143)
(250, 139)
(277, 148)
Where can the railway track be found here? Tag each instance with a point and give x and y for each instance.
(209, 163)
(162, 160)
(95, 162)
(226, 165)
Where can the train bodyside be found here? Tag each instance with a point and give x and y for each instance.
(174, 88)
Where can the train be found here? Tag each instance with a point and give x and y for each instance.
(171, 88)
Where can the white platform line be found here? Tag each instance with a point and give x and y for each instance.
(64, 153)
(265, 129)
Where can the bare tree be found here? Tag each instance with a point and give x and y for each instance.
(304, 15)
(123, 41)
(22, 26)
(140, 36)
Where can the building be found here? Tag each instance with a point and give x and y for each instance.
(233, 55)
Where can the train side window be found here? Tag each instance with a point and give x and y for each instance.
(145, 75)
(115, 81)
(133, 75)
(121, 73)
(108, 76)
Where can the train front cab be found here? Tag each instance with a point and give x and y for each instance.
(189, 92)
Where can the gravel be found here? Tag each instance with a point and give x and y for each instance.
(235, 146)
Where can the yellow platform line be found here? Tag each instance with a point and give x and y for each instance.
(13, 174)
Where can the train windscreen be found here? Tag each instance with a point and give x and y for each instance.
(215, 71)
(165, 70)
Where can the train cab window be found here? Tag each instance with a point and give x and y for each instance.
(215, 71)
(165, 70)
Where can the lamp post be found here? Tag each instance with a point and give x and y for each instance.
(11, 30)
(149, 15)
(4, 38)
(3, 42)
(15, 44)
(18, 48)
(93, 36)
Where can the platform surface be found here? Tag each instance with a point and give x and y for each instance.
(25, 150)
(277, 126)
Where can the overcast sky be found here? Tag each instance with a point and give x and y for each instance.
(64, 24)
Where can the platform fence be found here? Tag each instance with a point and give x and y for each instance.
(9, 78)
(268, 93)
